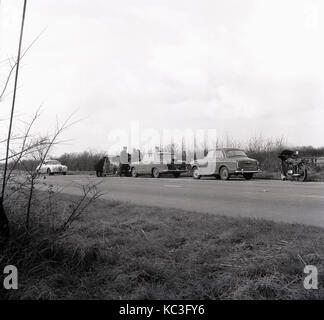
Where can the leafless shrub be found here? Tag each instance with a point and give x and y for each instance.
(266, 150)
(32, 151)
(84, 161)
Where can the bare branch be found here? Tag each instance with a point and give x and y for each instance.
(13, 66)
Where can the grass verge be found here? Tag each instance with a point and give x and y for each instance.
(121, 251)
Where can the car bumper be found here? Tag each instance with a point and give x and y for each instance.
(174, 171)
(242, 171)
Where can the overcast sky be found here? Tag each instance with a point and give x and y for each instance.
(242, 67)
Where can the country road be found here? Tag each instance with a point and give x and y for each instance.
(284, 201)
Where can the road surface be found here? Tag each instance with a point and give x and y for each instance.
(286, 201)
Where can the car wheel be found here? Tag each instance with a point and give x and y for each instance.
(64, 173)
(134, 173)
(224, 174)
(248, 176)
(176, 174)
(156, 173)
(195, 173)
(49, 172)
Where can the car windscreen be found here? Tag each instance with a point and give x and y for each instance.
(235, 153)
(52, 163)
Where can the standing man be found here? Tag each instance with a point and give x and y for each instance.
(135, 156)
(100, 166)
(106, 165)
(124, 162)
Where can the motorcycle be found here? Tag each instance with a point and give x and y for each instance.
(296, 168)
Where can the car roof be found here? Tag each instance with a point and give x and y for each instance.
(158, 152)
(227, 149)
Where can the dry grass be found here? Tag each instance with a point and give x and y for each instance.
(119, 251)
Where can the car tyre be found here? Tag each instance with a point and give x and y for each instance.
(156, 173)
(176, 174)
(49, 172)
(134, 173)
(195, 173)
(224, 174)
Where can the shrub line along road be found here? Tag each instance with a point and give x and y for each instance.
(284, 201)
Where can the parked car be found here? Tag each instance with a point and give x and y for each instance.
(52, 167)
(114, 162)
(157, 163)
(225, 162)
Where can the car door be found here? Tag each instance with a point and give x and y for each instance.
(140, 165)
(150, 164)
(144, 165)
(220, 159)
(210, 168)
(159, 161)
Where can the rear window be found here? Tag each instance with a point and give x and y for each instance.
(53, 162)
(235, 153)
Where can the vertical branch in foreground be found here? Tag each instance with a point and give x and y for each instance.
(13, 101)
(4, 224)
(44, 152)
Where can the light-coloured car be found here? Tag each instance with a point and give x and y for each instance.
(224, 163)
(52, 167)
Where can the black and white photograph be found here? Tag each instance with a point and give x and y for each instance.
(161, 150)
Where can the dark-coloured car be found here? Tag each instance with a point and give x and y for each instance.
(224, 163)
(157, 163)
(114, 162)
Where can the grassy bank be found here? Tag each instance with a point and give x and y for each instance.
(119, 251)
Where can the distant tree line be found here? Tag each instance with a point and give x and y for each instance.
(84, 161)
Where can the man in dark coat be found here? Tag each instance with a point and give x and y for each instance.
(99, 167)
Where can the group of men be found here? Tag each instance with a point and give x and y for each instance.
(104, 165)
